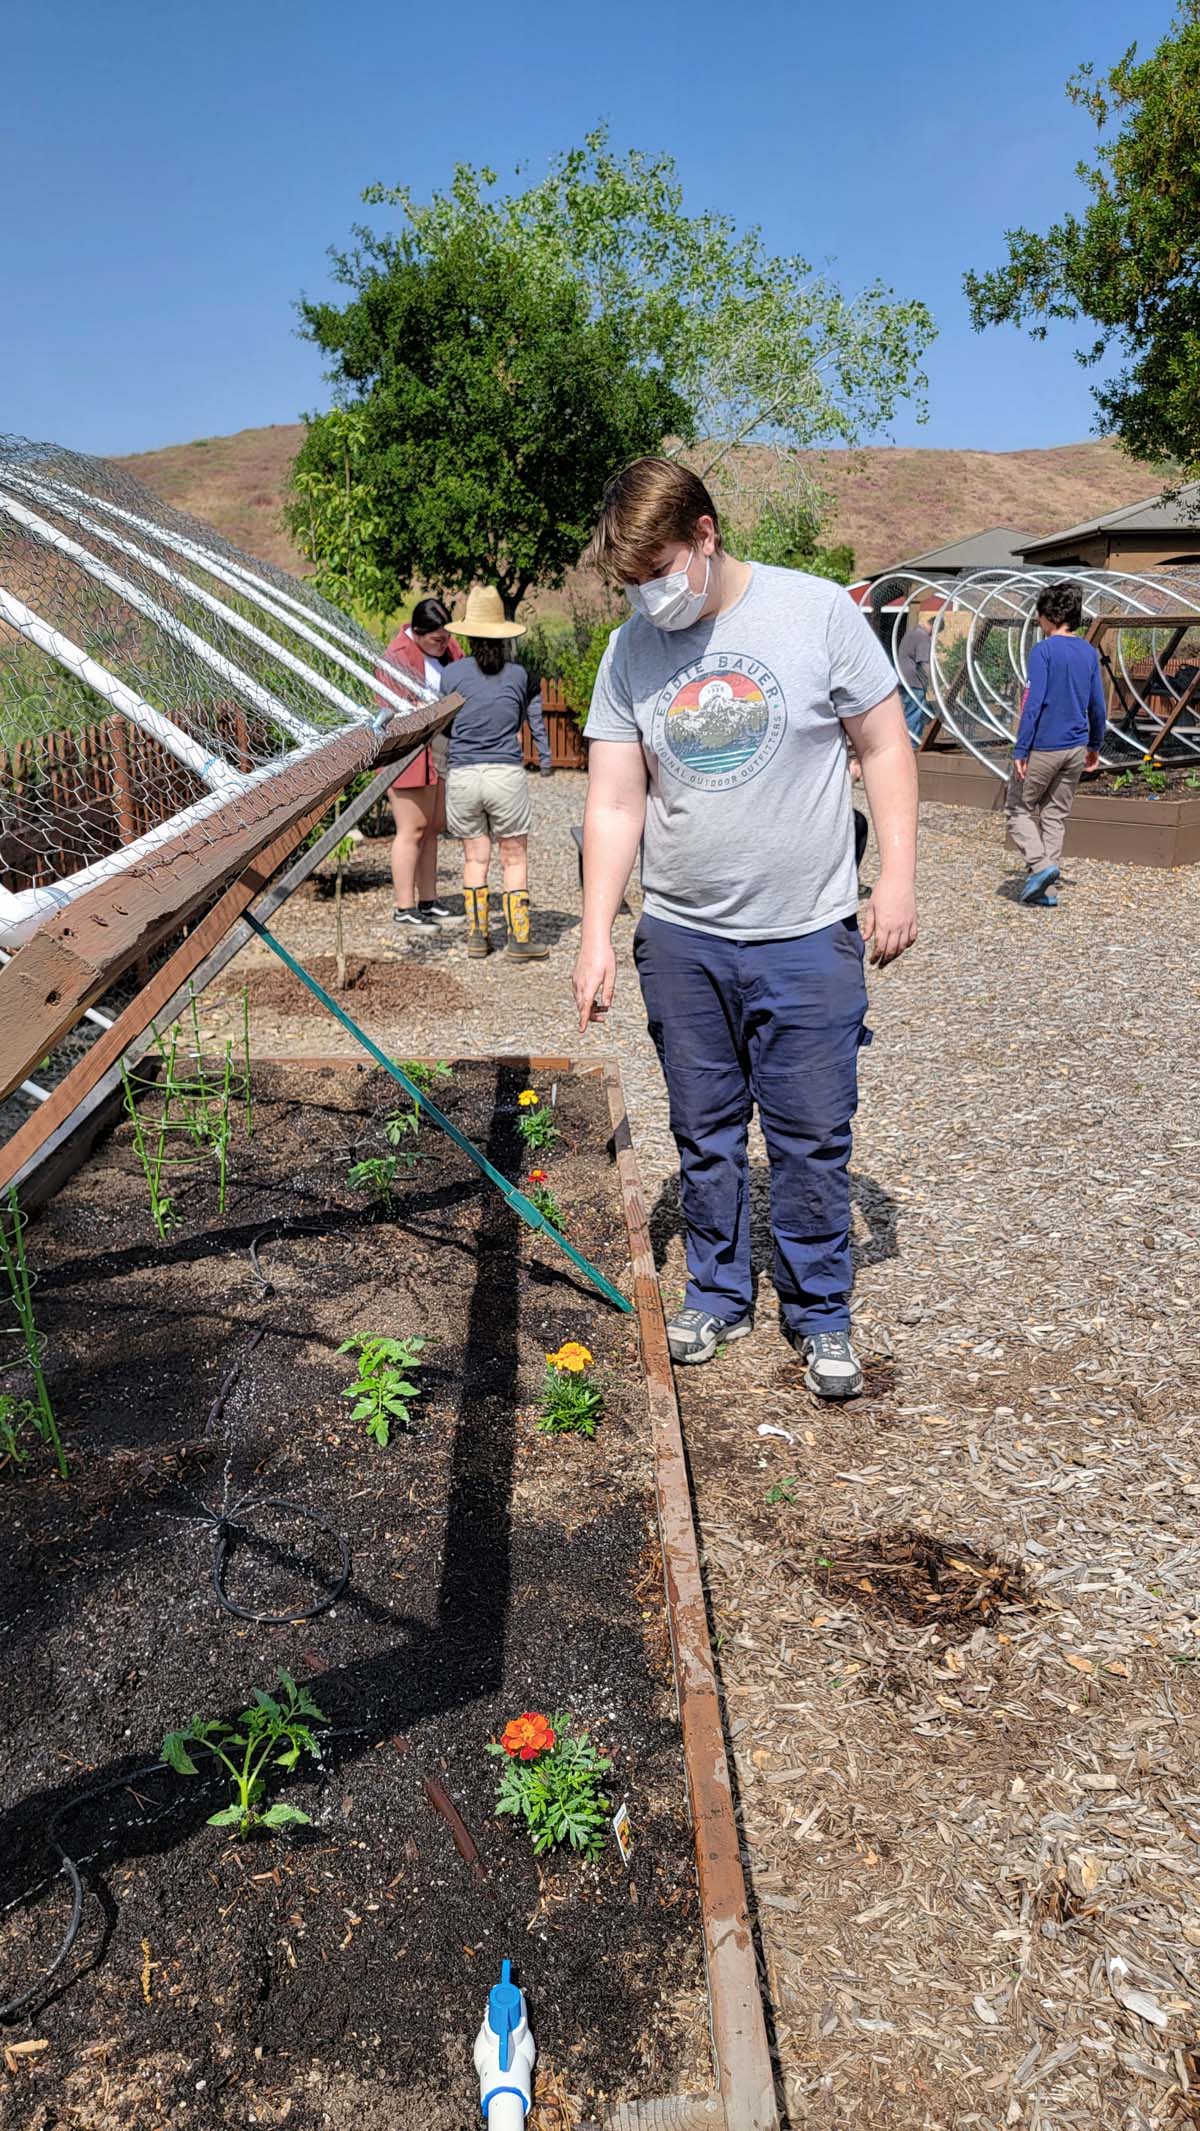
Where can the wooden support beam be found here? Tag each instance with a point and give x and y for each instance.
(50, 1149)
(78, 954)
(1180, 705)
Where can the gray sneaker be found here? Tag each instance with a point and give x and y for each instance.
(833, 1369)
(694, 1335)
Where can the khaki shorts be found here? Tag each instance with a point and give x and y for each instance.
(488, 799)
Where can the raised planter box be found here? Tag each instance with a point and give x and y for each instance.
(339, 1975)
(1125, 832)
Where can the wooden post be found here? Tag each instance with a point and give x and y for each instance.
(117, 734)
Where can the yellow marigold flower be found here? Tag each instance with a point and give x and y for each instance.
(572, 1357)
(528, 1098)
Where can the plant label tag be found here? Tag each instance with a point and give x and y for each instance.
(623, 1832)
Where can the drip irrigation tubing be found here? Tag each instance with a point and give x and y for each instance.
(516, 1199)
(229, 1529)
(69, 1868)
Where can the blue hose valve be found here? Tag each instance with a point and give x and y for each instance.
(504, 2012)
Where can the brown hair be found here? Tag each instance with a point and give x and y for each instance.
(488, 652)
(647, 506)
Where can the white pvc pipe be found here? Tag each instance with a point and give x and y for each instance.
(357, 712)
(208, 767)
(269, 597)
(262, 699)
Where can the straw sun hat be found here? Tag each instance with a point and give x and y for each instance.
(485, 615)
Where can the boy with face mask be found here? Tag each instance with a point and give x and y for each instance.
(717, 729)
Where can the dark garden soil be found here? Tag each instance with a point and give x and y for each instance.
(384, 985)
(334, 1975)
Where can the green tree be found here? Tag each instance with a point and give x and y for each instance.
(504, 352)
(491, 409)
(788, 531)
(1130, 264)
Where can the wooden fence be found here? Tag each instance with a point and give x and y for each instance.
(69, 797)
(567, 750)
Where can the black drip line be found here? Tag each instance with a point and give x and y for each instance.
(70, 1869)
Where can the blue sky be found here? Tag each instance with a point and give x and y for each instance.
(173, 176)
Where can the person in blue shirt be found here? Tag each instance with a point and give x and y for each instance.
(1059, 737)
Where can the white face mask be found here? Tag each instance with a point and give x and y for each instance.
(669, 602)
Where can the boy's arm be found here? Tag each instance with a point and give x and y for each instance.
(613, 821)
(1035, 697)
(889, 771)
(1097, 713)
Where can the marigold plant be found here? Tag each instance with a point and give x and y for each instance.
(570, 1405)
(551, 1780)
(535, 1125)
(539, 1194)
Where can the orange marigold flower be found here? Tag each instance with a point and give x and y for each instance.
(528, 1098)
(528, 1736)
(572, 1357)
(539, 1176)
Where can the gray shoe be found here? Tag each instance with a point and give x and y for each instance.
(694, 1335)
(833, 1369)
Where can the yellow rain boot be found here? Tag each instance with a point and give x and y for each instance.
(516, 917)
(476, 901)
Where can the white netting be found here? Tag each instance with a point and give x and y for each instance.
(151, 676)
(1146, 628)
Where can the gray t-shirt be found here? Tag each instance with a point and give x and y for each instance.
(912, 658)
(748, 818)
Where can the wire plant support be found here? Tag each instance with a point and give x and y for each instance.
(983, 624)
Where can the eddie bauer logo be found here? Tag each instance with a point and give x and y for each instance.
(718, 722)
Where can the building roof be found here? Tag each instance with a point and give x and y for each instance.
(1179, 513)
(995, 548)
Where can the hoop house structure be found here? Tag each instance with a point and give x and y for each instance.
(1146, 629)
(170, 709)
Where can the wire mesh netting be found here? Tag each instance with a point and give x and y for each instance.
(983, 624)
(151, 677)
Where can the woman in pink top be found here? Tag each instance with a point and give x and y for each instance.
(418, 796)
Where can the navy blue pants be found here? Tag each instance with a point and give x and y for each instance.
(778, 1023)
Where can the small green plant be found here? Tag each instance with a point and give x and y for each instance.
(539, 1194)
(401, 1124)
(570, 1405)
(272, 1733)
(20, 1287)
(16, 1416)
(552, 1782)
(426, 1074)
(382, 1389)
(374, 1176)
(1152, 776)
(780, 1491)
(1192, 781)
(1122, 781)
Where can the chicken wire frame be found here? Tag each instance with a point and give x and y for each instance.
(1120, 607)
(116, 610)
(174, 631)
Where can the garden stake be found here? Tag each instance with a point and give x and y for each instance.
(516, 1199)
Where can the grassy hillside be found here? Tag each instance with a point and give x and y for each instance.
(888, 502)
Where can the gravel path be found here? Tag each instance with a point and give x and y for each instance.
(965, 1759)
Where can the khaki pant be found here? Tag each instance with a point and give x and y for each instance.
(1038, 804)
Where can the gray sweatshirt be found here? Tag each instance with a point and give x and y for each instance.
(495, 706)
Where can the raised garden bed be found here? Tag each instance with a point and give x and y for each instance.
(335, 1971)
(1125, 828)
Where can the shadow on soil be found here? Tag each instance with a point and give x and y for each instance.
(429, 1669)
